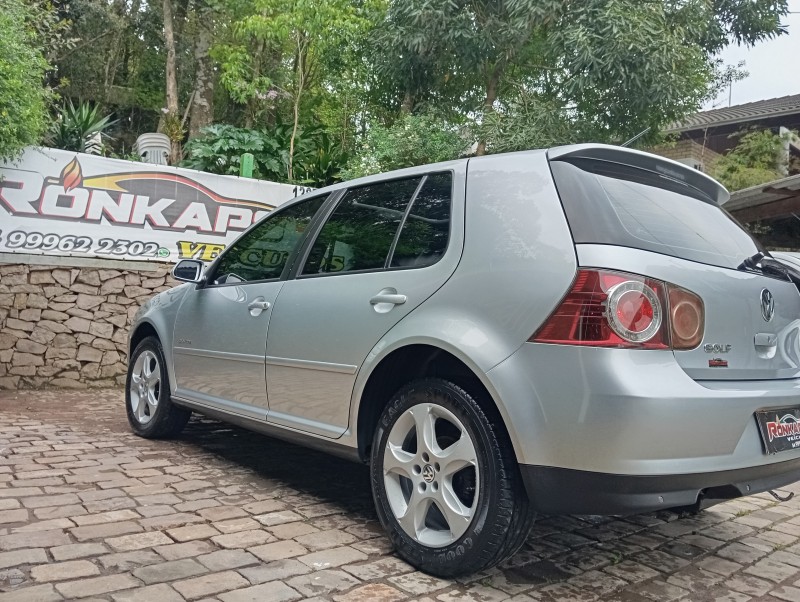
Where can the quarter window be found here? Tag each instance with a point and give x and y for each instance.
(359, 233)
(423, 238)
(262, 253)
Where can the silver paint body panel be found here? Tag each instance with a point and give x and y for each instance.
(510, 261)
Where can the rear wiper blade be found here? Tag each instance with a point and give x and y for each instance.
(752, 263)
(764, 264)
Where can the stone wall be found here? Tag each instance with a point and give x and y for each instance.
(67, 325)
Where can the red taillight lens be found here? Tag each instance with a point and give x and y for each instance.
(609, 309)
(687, 318)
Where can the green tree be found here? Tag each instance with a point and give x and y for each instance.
(753, 161)
(608, 68)
(411, 140)
(23, 96)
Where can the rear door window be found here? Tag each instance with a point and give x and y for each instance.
(615, 204)
(359, 234)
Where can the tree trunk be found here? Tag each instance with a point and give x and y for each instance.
(172, 119)
(488, 103)
(408, 102)
(202, 111)
(300, 69)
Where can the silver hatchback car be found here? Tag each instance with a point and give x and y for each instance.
(577, 330)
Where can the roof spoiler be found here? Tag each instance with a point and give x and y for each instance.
(628, 156)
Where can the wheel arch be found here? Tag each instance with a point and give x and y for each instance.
(140, 332)
(411, 362)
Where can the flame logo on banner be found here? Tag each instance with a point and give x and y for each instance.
(71, 175)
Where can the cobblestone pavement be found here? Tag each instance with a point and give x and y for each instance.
(88, 510)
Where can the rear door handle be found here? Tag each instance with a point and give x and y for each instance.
(392, 298)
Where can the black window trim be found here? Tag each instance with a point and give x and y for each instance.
(291, 259)
(304, 251)
(390, 255)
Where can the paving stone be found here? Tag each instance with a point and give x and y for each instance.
(13, 516)
(322, 582)
(96, 586)
(418, 583)
(277, 569)
(227, 559)
(601, 583)
(234, 525)
(376, 591)
(188, 533)
(25, 556)
(105, 530)
(747, 584)
(35, 539)
(78, 550)
(138, 541)
(332, 557)
(278, 550)
(37, 593)
(125, 561)
(274, 591)
(631, 571)
(189, 549)
(660, 591)
(209, 585)
(64, 570)
(325, 539)
(152, 593)
(169, 571)
(242, 539)
(786, 592)
(112, 516)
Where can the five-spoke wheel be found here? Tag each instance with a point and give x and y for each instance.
(431, 474)
(150, 410)
(445, 482)
(145, 386)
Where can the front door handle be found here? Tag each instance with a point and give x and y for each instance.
(392, 298)
(257, 306)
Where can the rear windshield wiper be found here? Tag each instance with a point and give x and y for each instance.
(766, 265)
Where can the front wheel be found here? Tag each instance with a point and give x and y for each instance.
(150, 410)
(445, 482)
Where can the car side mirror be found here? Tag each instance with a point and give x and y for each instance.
(189, 270)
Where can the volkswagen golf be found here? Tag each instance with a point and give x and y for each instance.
(577, 330)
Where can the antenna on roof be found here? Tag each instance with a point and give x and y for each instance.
(636, 137)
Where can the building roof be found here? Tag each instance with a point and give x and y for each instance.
(751, 111)
(780, 198)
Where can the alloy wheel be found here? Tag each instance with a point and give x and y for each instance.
(145, 386)
(431, 476)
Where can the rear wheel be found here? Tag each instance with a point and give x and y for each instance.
(445, 482)
(150, 410)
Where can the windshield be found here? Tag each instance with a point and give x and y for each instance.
(611, 203)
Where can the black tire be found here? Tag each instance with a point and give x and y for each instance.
(501, 519)
(167, 419)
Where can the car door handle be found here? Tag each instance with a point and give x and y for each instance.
(257, 306)
(392, 298)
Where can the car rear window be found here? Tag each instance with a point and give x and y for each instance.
(616, 204)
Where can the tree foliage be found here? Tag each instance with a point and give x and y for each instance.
(23, 97)
(377, 84)
(754, 160)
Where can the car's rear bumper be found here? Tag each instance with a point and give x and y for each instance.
(566, 491)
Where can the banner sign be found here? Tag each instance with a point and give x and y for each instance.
(55, 202)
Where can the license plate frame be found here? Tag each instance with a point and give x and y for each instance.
(779, 428)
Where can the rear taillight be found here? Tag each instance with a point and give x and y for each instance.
(615, 309)
(687, 318)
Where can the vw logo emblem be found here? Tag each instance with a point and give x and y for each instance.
(428, 473)
(767, 305)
